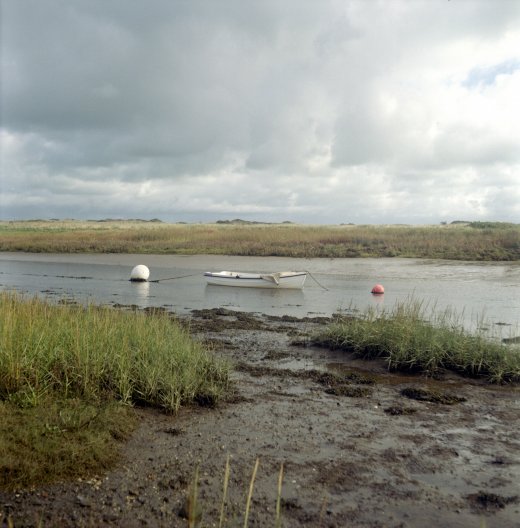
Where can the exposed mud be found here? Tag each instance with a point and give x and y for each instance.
(360, 447)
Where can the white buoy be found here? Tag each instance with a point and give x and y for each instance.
(140, 273)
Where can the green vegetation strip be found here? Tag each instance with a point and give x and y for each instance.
(407, 339)
(487, 241)
(70, 374)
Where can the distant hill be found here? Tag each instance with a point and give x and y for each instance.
(238, 221)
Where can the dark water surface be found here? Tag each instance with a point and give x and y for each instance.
(474, 290)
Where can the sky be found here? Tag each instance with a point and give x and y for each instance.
(317, 112)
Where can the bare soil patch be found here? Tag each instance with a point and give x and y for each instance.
(356, 449)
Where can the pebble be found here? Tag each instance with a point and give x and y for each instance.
(82, 501)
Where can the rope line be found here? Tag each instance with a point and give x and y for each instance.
(172, 278)
(315, 280)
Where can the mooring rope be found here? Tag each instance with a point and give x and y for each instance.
(172, 278)
(315, 280)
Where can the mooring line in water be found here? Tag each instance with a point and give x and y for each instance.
(172, 278)
(315, 280)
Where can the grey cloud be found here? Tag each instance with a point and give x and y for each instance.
(463, 145)
(172, 94)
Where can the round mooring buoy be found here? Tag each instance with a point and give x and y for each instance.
(140, 273)
(378, 289)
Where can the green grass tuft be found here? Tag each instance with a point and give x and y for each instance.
(98, 352)
(407, 339)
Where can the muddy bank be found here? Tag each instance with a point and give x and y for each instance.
(360, 447)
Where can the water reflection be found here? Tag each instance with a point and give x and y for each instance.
(142, 293)
(240, 298)
(378, 299)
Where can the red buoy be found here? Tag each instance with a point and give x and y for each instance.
(378, 289)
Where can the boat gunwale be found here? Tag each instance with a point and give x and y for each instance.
(252, 276)
(283, 280)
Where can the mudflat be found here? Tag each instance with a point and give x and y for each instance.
(358, 446)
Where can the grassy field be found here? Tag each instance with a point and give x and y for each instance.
(69, 376)
(409, 339)
(465, 241)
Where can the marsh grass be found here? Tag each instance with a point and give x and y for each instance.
(70, 374)
(95, 353)
(409, 338)
(477, 241)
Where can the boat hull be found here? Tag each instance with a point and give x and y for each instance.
(284, 280)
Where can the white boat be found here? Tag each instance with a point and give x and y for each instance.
(282, 279)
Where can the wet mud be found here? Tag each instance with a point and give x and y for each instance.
(357, 446)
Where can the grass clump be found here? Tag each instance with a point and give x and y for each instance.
(97, 352)
(69, 376)
(409, 340)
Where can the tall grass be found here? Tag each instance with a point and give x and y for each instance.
(479, 241)
(408, 338)
(68, 375)
(94, 353)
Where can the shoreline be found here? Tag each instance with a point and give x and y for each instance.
(364, 455)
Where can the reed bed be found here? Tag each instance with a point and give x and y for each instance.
(408, 338)
(473, 241)
(94, 352)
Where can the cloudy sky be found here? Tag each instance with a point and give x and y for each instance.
(363, 111)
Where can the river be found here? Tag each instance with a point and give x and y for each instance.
(475, 291)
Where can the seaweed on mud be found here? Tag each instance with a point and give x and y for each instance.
(275, 355)
(220, 319)
(397, 410)
(206, 400)
(484, 501)
(208, 313)
(292, 319)
(156, 310)
(174, 431)
(500, 461)
(235, 398)
(257, 371)
(420, 394)
(219, 344)
(290, 504)
(511, 340)
(300, 340)
(352, 391)
(338, 385)
(322, 378)
(326, 378)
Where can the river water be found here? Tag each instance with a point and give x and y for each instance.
(475, 291)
